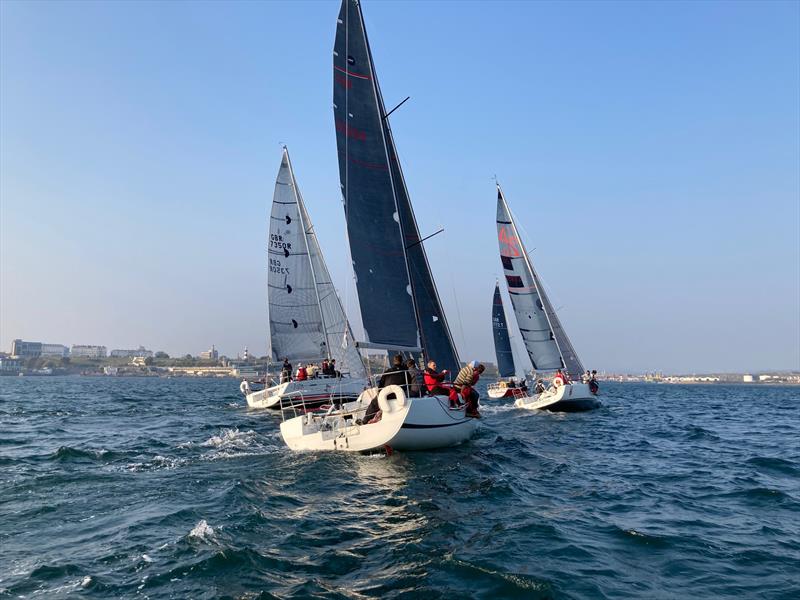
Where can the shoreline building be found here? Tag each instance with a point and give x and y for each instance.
(211, 354)
(24, 349)
(87, 351)
(141, 352)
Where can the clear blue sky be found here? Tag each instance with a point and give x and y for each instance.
(651, 152)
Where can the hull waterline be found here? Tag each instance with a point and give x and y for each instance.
(573, 397)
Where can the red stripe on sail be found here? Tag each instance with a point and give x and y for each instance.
(350, 132)
(346, 72)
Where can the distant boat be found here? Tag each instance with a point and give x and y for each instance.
(400, 307)
(545, 340)
(307, 323)
(508, 385)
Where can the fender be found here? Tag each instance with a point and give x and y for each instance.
(383, 400)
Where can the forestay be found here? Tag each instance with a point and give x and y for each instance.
(502, 342)
(546, 341)
(398, 298)
(307, 321)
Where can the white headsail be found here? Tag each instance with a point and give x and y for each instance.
(306, 318)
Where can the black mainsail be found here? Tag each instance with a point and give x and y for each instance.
(400, 306)
(502, 342)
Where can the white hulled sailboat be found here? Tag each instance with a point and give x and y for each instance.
(509, 385)
(307, 322)
(400, 307)
(545, 340)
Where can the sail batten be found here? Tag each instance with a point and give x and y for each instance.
(532, 308)
(399, 303)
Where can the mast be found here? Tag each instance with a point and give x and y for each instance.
(376, 201)
(433, 329)
(375, 233)
(530, 267)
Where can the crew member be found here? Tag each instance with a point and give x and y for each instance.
(415, 384)
(302, 374)
(434, 379)
(394, 375)
(465, 384)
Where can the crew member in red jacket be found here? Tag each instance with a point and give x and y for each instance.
(434, 379)
(302, 374)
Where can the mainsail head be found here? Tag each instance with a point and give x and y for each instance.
(545, 340)
(397, 296)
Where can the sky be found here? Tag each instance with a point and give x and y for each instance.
(650, 152)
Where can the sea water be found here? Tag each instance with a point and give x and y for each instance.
(172, 488)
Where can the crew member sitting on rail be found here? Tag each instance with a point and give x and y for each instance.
(559, 379)
(465, 384)
(325, 367)
(434, 379)
(302, 374)
(312, 371)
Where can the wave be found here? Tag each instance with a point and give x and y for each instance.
(202, 531)
(68, 453)
(232, 443)
(504, 584)
(775, 464)
(157, 463)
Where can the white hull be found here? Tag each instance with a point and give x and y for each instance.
(406, 424)
(311, 392)
(573, 397)
(501, 389)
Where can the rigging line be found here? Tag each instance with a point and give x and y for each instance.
(386, 116)
(427, 237)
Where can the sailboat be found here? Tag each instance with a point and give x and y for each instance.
(307, 322)
(507, 386)
(400, 308)
(545, 339)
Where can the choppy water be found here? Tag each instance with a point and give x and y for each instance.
(172, 489)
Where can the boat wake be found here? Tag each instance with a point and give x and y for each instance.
(232, 443)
